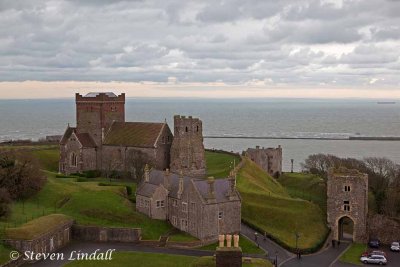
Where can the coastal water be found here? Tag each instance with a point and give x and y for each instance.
(32, 119)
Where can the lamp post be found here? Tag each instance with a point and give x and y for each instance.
(291, 170)
(276, 258)
(297, 238)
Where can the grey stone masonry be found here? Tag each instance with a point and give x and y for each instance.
(269, 159)
(187, 151)
(347, 196)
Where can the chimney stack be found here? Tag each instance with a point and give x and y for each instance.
(146, 173)
(180, 188)
(211, 189)
(166, 179)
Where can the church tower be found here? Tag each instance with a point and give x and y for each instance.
(187, 151)
(95, 112)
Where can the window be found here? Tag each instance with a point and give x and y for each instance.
(220, 215)
(197, 127)
(184, 224)
(346, 205)
(184, 206)
(192, 206)
(192, 225)
(141, 202)
(174, 220)
(186, 129)
(160, 204)
(146, 203)
(175, 203)
(347, 188)
(74, 160)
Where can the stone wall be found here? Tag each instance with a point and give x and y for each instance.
(48, 242)
(387, 230)
(187, 151)
(106, 234)
(269, 159)
(347, 197)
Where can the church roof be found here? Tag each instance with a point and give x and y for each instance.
(83, 138)
(86, 140)
(134, 134)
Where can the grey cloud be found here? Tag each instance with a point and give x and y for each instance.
(199, 41)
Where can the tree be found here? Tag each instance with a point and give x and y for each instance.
(136, 162)
(20, 174)
(5, 200)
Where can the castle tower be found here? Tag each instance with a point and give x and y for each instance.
(95, 113)
(187, 151)
(347, 199)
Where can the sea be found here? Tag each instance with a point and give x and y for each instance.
(296, 119)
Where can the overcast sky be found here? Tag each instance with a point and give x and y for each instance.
(233, 48)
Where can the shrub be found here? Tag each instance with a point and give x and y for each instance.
(92, 173)
(129, 190)
(5, 200)
(81, 179)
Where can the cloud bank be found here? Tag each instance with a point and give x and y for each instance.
(260, 43)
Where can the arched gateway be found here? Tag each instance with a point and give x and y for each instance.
(347, 203)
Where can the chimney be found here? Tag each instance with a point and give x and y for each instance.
(180, 188)
(257, 147)
(166, 178)
(232, 185)
(211, 189)
(146, 173)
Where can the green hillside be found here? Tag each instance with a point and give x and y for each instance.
(267, 206)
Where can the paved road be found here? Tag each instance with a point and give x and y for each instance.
(323, 258)
(267, 245)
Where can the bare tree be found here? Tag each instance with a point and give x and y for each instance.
(136, 162)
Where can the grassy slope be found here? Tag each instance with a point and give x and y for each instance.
(88, 204)
(246, 245)
(4, 253)
(220, 164)
(305, 186)
(353, 254)
(153, 259)
(268, 206)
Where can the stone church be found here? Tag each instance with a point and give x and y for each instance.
(103, 140)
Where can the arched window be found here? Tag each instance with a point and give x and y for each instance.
(197, 127)
(74, 160)
(186, 129)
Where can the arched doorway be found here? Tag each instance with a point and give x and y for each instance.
(346, 228)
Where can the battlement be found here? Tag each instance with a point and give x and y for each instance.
(346, 173)
(187, 125)
(100, 97)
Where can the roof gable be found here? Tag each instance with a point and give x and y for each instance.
(134, 134)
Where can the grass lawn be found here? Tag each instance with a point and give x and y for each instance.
(268, 206)
(220, 164)
(305, 186)
(37, 227)
(353, 254)
(86, 202)
(246, 245)
(4, 253)
(141, 259)
(179, 236)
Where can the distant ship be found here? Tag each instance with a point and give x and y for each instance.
(386, 102)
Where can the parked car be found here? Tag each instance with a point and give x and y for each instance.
(374, 243)
(377, 252)
(395, 246)
(375, 259)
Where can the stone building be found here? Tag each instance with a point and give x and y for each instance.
(269, 159)
(347, 198)
(203, 208)
(187, 151)
(102, 140)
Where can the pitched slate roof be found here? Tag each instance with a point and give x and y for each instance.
(86, 140)
(83, 138)
(135, 134)
(67, 135)
(156, 178)
(221, 189)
